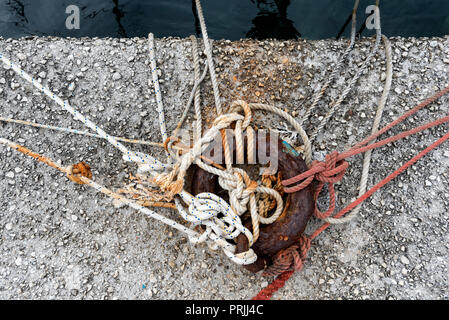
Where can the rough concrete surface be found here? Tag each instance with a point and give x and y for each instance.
(65, 241)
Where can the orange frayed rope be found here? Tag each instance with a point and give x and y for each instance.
(79, 173)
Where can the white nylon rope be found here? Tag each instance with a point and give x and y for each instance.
(157, 89)
(127, 154)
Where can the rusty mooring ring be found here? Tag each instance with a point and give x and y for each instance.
(288, 228)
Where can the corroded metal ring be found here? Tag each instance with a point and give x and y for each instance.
(288, 228)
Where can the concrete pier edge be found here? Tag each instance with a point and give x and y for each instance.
(61, 240)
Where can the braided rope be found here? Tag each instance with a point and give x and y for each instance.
(348, 88)
(210, 60)
(236, 181)
(204, 209)
(319, 94)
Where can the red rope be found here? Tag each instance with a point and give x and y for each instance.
(267, 292)
(333, 168)
(289, 259)
(383, 183)
(331, 171)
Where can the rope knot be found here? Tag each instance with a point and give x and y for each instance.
(79, 169)
(240, 189)
(221, 223)
(332, 170)
(329, 171)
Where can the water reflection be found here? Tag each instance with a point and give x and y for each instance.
(197, 19)
(19, 8)
(271, 21)
(119, 14)
(230, 19)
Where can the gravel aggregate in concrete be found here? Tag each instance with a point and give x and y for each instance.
(65, 241)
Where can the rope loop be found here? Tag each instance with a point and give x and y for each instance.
(328, 172)
(289, 259)
(242, 105)
(221, 223)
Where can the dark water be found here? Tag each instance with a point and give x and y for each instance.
(226, 19)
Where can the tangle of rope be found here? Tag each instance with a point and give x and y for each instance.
(196, 207)
(239, 196)
(386, 90)
(289, 260)
(227, 180)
